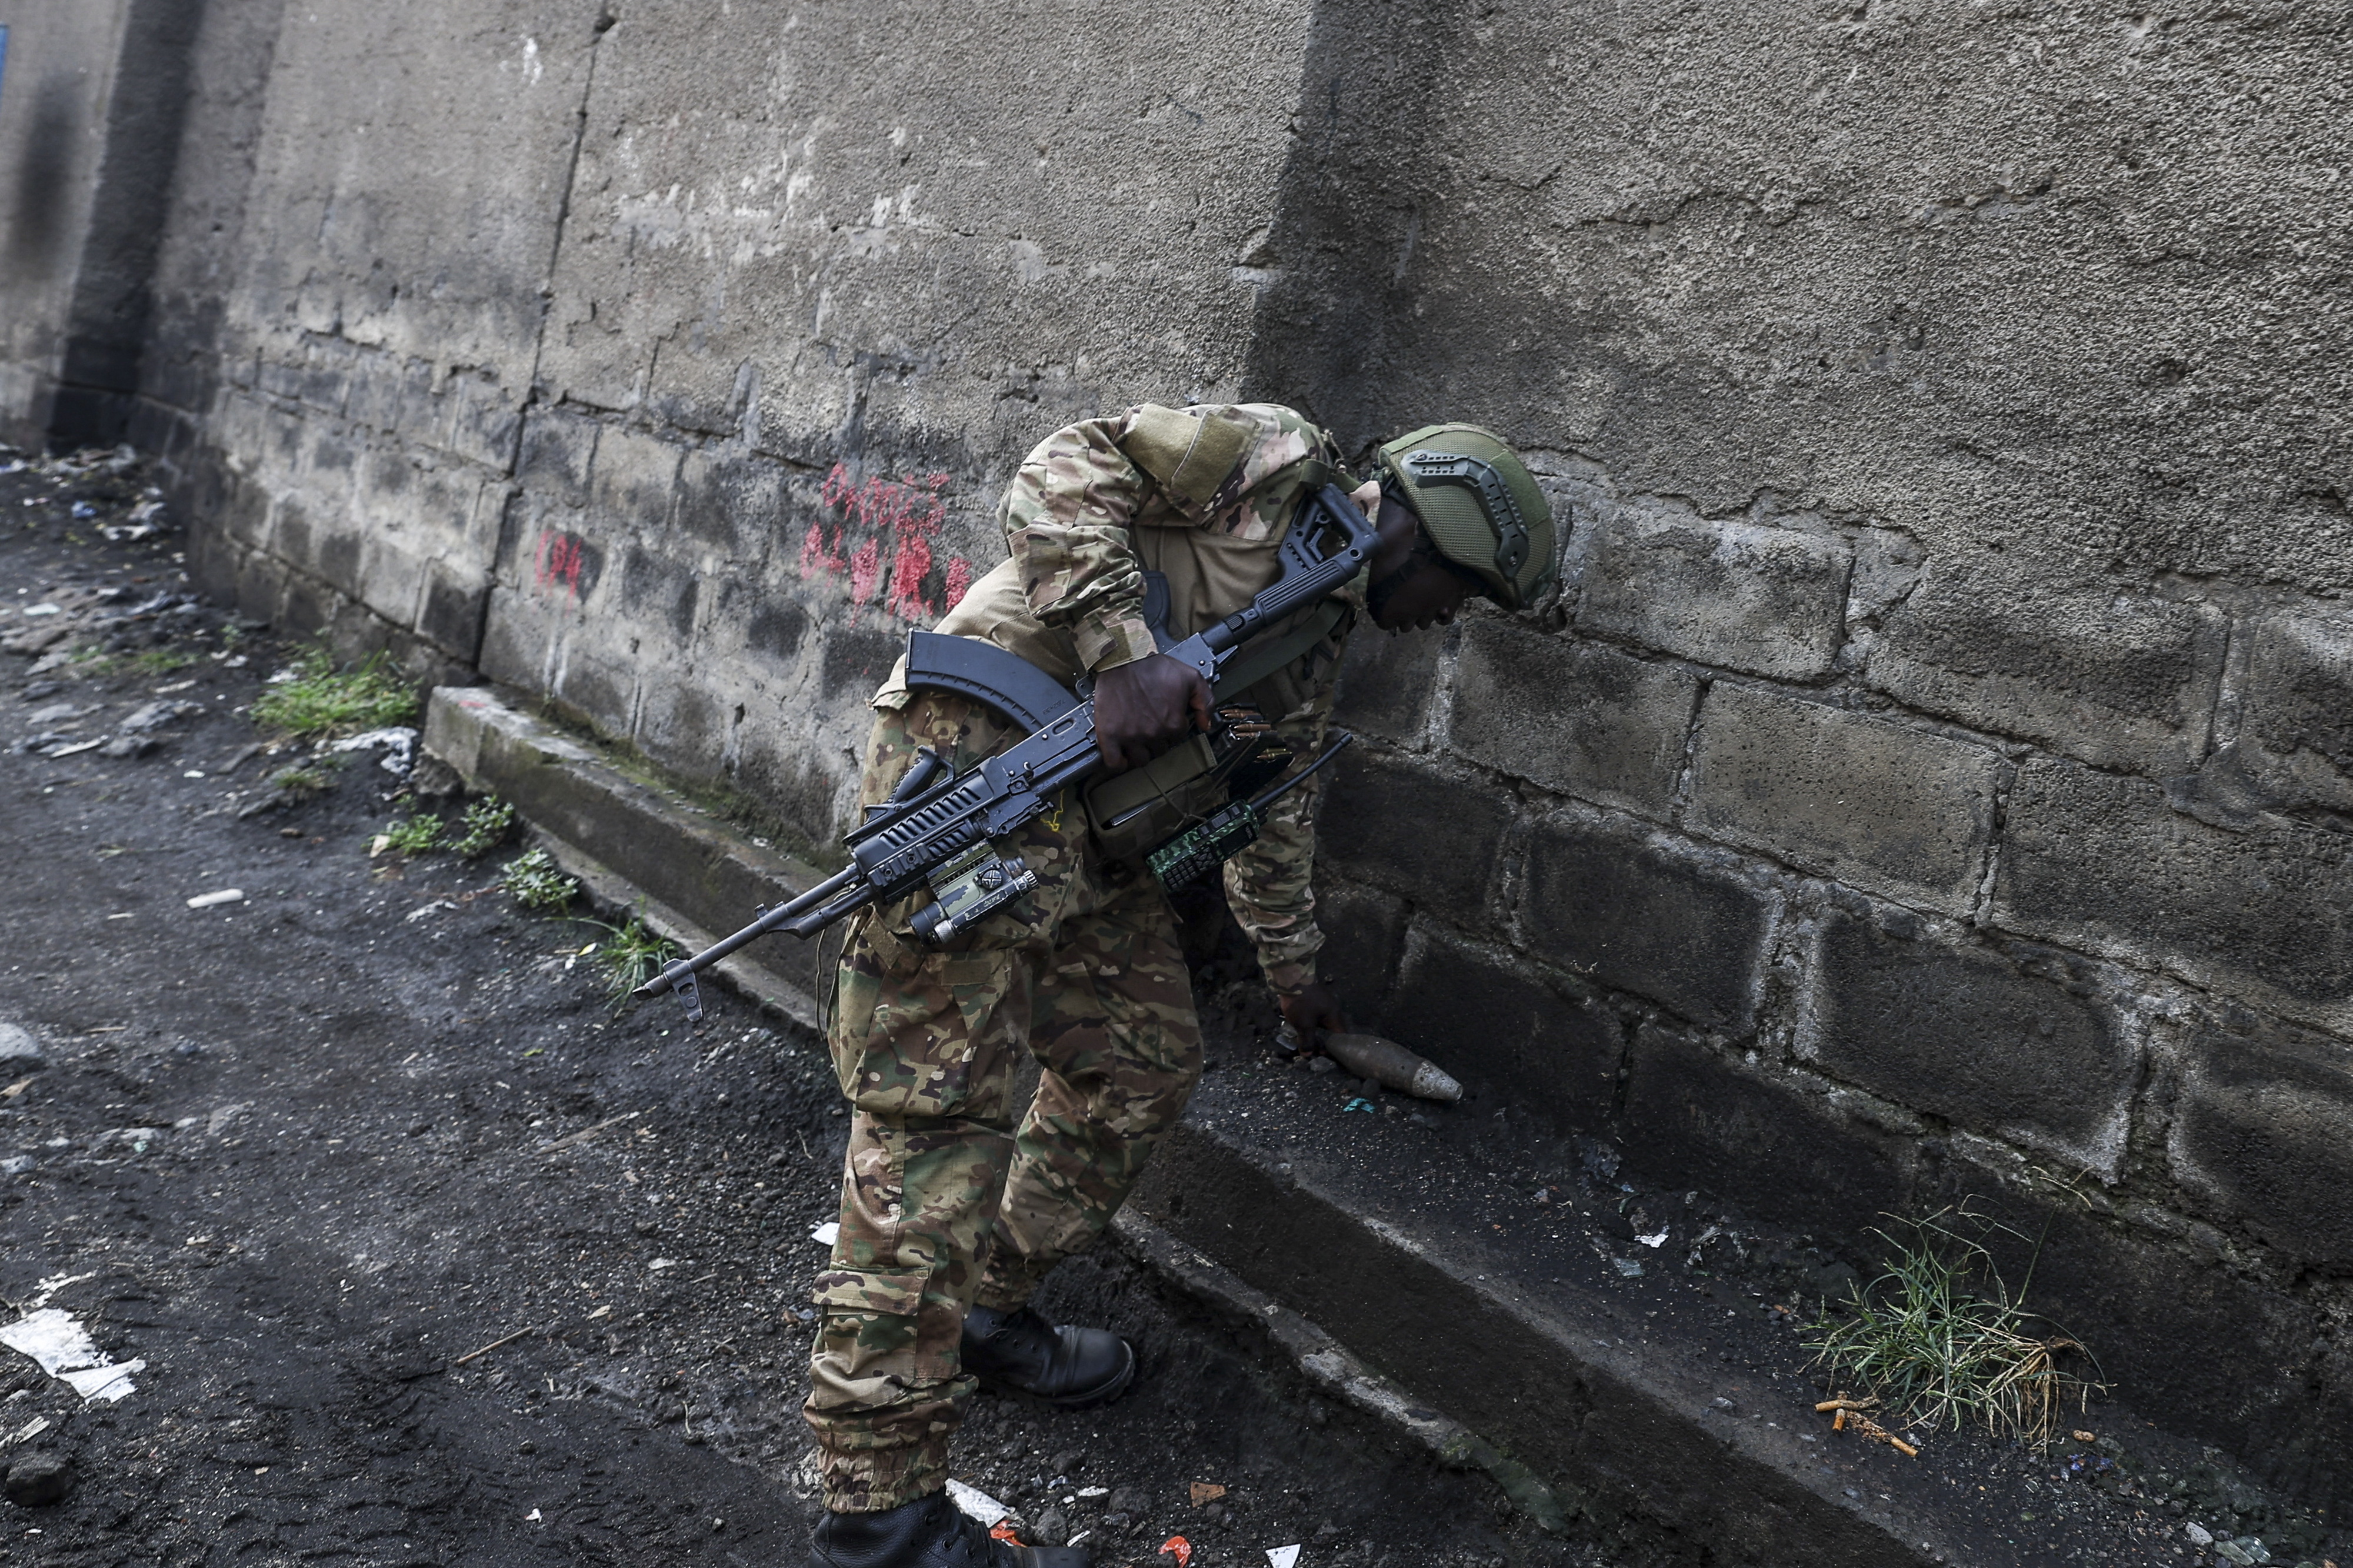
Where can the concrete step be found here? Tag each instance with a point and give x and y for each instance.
(1609, 1386)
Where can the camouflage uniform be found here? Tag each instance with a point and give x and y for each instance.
(944, 1201)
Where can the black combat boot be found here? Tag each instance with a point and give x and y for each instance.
(932, 1533)
(1021, 1352)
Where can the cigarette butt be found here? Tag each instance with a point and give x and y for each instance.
(1903, 1448)
(1838, 1421)
(1843, 1403)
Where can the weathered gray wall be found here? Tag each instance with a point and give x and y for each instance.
(59, 77)
(1933, 778)
(1935, 775)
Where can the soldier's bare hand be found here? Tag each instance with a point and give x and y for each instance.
(1314, 1012)
(1141, 707)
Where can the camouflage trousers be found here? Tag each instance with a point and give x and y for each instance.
(945, 1199)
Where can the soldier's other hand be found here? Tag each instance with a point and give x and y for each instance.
(1314, 1012)
(1141, 707)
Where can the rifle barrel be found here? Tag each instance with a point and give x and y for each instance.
(770, 920)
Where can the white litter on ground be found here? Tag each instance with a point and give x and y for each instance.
(400, 741)
(56, 1340)
(828, 1233)
(1282, 1557)
(225, 896)
(975, 1503)
(1657, 1240)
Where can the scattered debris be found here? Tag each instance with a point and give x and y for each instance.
(494, 1345)
(37, 1480)
(210, 900)
(571, 1139)
(58, 1343)
(1179, 1548)
(1848, 1417)
(827, 1234)
(19, 1049)
(976, 1504)
(1282, 1557)
(398, 743)
(1205, 1493)
(1357, 1104)
(1657, 1240)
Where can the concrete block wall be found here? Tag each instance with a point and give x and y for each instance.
(1817, 945)
(1933, 776)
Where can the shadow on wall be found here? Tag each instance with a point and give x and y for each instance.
(38, 212)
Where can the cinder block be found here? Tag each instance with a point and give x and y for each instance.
(1887, 809)
(1697, 1117)
(557, 451)
(2259, 1136)
(1611, 906)
(2098, 862)
(1768, 601)
(1387, 683)
(633, 483)
(1398, 825)
(1363, 930)
(2120, 680)
(730, 502)
(1972, 1037)
(858, 658)
(1572, 716)
(2296, 728)
(1506, 1035)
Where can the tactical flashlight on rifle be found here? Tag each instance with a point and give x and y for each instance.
(944, 831)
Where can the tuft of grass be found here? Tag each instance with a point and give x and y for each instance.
(319, 702)
(1943, 1341)
(413, 835)
(306, 779)
(536, 884)
(484, 827)
(630, 957)
(161, 660)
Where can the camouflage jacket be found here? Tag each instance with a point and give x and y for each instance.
(1201, 495)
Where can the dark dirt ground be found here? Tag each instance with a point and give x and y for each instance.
(293, 1153)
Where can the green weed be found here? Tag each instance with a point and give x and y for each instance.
(485, 827)
(631, 957)
(161, 660)
(412, 835)
(306, 779)
(318, 701)
(1945, 1342)
(536, 884)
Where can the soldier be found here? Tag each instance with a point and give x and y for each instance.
(951, 1214)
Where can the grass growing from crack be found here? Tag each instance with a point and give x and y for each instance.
(631, 957)
(483, 828)
(1943, 1341)
(320, 701)
(161, 660)
(532, 880)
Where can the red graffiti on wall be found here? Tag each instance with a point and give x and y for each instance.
(900, 519)
(569, 563)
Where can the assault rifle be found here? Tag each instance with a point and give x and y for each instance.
(941, 831)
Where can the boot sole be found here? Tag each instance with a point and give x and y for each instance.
(1091, 1399)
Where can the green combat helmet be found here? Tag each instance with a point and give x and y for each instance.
(1480, 505)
